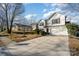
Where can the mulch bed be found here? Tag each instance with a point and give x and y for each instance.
(74, 46)
(19, 38)
(1, 43)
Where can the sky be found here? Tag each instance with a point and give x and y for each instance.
(37, 11)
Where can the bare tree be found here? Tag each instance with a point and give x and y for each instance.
(2, 19)
(2, 24)
(11, 11)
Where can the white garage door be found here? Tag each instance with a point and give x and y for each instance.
(59, 30)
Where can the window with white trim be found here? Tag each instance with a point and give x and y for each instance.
(56, 21)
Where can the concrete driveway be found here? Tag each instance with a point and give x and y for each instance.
(42, 46)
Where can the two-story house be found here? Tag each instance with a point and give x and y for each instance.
(54, 25)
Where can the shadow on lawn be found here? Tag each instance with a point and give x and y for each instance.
(3, 35)
(23, 44)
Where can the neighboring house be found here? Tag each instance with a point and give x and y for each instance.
(54, 25)
(34, 26)
(41, 25)
(22, 27)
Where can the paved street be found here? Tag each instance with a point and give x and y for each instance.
(42, 46)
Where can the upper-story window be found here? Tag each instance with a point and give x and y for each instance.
(56, 21)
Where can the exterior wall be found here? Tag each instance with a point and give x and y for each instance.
(27, 29)
(33, 27)
(20, 28)
(15, 28)
(58, 30)
(62, 20)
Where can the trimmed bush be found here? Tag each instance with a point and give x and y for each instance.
(37, 31)
(43, 33)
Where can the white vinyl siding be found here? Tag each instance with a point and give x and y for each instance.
(56, 21)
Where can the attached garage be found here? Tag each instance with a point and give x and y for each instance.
(58, 30)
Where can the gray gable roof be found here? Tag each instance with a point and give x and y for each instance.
(49, 16)
(52, 15)
(22, 25)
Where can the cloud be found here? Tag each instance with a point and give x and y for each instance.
(63, 8)
(29, 16)
(57, 10)
(44, 10)
(70, 10)
(59, 5)
(45, 15)
(75, 19)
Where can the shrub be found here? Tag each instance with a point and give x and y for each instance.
(72, 28)
(77, 33)
(37, 31)
(43, 33)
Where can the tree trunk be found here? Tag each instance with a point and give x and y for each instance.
(2, 22)
(6, 13)
(11, 27)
